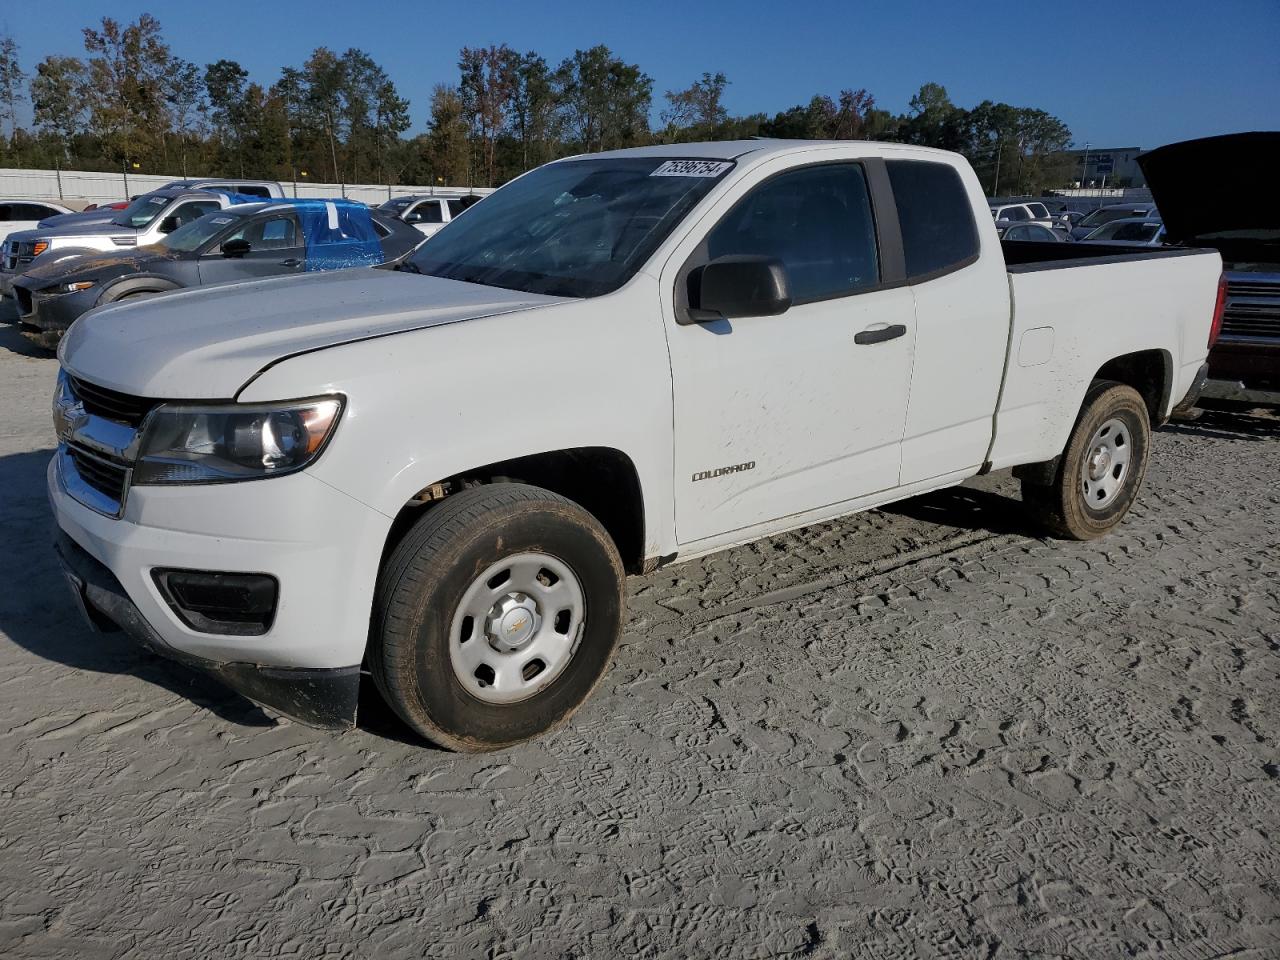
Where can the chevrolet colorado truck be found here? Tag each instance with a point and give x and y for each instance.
(441, 474)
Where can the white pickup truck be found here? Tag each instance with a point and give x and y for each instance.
(441, 473)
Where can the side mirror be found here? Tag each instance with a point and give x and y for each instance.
(168, 225)
(739, 286)
(236, 247)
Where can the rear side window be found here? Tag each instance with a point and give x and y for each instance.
(252, 190)
(935, 215)
(1038, 210)
(817, 221)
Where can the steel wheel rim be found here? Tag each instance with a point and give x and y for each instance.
(516, 628)
(1107, 458)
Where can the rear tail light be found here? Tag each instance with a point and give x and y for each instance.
(1219, 308)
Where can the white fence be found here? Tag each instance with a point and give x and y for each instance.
(81, 187)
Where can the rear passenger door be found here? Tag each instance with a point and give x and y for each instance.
(962, 312)
(779, 415)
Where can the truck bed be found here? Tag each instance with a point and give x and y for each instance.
(1023, 256)
(1150, 303)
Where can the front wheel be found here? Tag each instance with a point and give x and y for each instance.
(1101, 470)
(496, 616)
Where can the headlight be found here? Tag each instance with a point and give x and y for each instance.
(73, 287)
(234, 442)
(40, 247)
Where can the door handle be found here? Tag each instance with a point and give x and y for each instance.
(291, 262)
(880, 334)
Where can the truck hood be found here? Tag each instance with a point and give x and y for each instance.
(83, 217)
(207, 343)
(83, 228)
(1216, 184)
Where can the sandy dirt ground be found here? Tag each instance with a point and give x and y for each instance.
(920, 732)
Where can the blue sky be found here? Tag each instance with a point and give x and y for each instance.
(1137, 73)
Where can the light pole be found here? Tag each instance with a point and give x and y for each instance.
(1084, 165)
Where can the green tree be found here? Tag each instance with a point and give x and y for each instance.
(11, 81)
(184, 93)
(605, 102)
(697, 112)
(533, 110)
(58, 97)
(448, 151)
(487, 84)
(127, 68)
(225, 84)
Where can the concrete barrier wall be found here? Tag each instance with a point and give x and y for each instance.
(79, 187)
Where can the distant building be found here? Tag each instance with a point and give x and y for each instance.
(1117, 164)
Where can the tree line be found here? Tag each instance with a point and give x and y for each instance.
(130, 101)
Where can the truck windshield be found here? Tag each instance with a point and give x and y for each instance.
(141, 212)
(192, 236)
(577, 228)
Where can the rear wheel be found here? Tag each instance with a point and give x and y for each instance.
(1102, 468)
(496, 616)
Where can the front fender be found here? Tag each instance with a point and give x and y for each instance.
(116, 289)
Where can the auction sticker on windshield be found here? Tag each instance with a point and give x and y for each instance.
(692, 168)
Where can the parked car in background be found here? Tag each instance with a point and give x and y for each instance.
(1092, 220)
(427, 214)
(143, 222)
(696, 345)
(246, 242)
(265, 189)
(1030, 231)
(1135, 232)
(1244, 364)
(1031, 212)
(21, 213)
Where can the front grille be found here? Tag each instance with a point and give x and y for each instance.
(1252, 310)
(111, 404)
(105, 477)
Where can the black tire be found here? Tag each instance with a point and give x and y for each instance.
(424, 580)
(1062, 506)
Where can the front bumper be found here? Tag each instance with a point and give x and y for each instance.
(45, 317)
(322, 547)
(322, 698)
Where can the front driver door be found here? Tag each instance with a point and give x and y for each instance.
(776, 416)
(275, 248)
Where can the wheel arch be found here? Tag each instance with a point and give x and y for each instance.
(136, 283)
(1150, 372)
(604, 481)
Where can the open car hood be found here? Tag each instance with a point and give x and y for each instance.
(1215, 184)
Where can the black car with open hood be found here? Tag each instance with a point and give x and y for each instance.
(1223, 192)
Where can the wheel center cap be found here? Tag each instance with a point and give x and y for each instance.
(1099, 463)
(513, 623)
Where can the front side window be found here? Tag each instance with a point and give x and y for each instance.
(192, 236)
(1016, 233)
(935, 216)
(817, 221)
(575, 228)
(188, 212)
